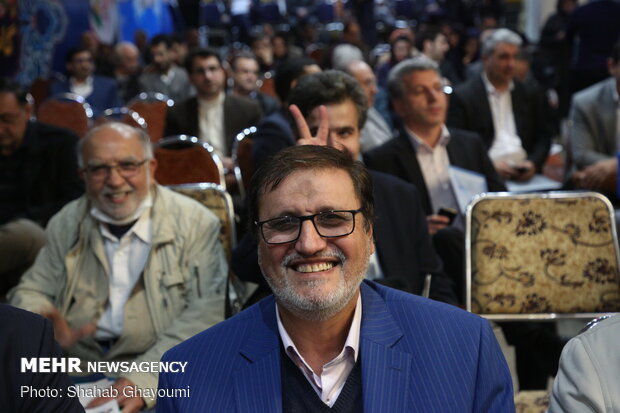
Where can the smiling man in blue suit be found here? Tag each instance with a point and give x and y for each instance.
(327, 340)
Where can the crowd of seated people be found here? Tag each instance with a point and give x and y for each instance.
(447, 92)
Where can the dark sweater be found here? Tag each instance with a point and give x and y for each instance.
(298, 395)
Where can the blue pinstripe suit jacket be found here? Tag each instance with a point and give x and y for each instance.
(417, 355)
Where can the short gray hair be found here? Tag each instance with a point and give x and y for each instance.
(395, 83)
(118, 49)
(141, 134)
(498, 36)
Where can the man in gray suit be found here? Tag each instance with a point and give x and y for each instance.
(587, 379)
(163, 75)
(595, 130)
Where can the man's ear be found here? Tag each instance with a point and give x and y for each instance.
(28, 110)
(152, 167)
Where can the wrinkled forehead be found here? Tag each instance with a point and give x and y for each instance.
(322, 185)
(114, 142)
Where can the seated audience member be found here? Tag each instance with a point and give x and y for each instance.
(587, 379)
(433, 44)
(424, 152)
(127, 70)
(179, 49)
(328, 339)
(211, 115)
(401, 48)
(38, 175)
(27, 335)
(404, 251)
(593, 133)
(263, 50)
(376, 130)
(274, 132)
(509, 118)
(131, 268)
(425, 148)
(100, 92)
(163, 75)
(245, 73)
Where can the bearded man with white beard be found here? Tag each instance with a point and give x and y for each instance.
(130, 268)
(328, 340)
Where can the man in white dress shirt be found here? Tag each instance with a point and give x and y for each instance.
(508, 116)
(131, 268)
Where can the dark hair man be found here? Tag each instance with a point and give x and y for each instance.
(38, 175)
(212, 115)
(99, 91)
(327, 339)
(163, 75)
(245, 74)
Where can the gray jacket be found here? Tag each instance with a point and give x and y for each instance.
(592, 133)
(181, 291)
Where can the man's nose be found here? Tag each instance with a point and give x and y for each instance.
(115, 178)
(309, 241)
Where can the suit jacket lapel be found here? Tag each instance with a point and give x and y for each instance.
(191, 116)
(484, 111)
(230, 121)
(258, 385)
(407, 156)
(385, 369)
(609, 116)
(519, 111)
(32, 163)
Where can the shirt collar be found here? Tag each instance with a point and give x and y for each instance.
(219, 100)
(444, 139)
(88, 82)
(141, 229)
(351, 343)
(491, 89)
(144, 207)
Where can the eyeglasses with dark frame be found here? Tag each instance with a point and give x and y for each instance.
(126, 169)
(328, 224)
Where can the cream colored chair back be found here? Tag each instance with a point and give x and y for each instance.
(542, 256)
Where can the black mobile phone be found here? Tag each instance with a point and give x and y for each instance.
(451, 213)
(520, 169)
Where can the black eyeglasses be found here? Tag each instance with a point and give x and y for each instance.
(328, 224)
(126, 169)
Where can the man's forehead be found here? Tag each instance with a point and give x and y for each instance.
(419, 77)
(506, 48)
(210, 61)
(116, 140)
(8, 101)
(337, 178)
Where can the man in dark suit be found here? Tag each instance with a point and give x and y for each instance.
(404, 252)
(424, 152)
(244, 70)
(27, 335)
(508, 116)
(212, 115)
(100, 92)
(38, 175)
(328, 340)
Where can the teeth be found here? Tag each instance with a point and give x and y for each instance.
(314, 267)
(116, 196)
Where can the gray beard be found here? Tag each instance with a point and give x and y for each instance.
(316, 309)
